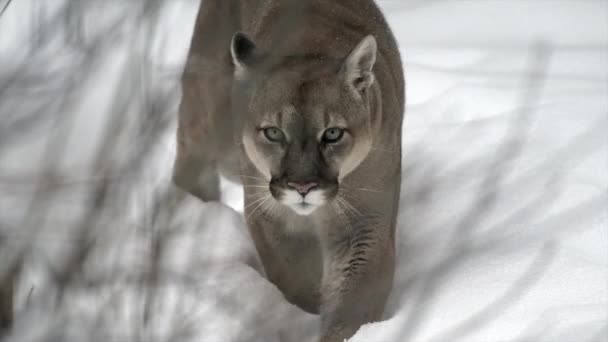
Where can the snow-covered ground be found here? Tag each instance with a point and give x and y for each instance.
(503, 228)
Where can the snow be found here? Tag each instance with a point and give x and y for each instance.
(503, 227)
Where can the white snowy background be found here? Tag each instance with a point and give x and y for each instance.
(503, 225)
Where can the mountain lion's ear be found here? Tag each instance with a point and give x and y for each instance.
(241, 50)
(357, 67)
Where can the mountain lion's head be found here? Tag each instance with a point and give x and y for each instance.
(307, 123)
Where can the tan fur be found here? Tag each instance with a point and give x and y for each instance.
(302, 67)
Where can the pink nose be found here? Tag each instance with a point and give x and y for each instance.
(302, 188)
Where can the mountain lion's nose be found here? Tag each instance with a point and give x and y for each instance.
(302, 188)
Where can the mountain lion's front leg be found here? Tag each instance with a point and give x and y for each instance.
(6, 303)
(200, 136)
(6, 308)
(196, 174)
(357, 282)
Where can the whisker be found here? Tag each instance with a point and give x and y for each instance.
(337, 210)
(346, 212)
(257, 194)
(259, 205)
(252, 177)
(363, 189)
(349, 206)
(273, 210)
(257, 201)
(342, 216)
(269, 209)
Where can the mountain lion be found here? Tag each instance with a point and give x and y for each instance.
(302, 101)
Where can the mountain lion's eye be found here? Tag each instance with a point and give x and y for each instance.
(333, 135)
(274, 134)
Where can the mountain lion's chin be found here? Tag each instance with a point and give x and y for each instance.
(303, 208)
